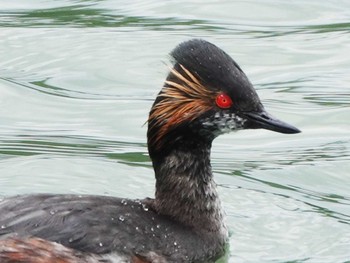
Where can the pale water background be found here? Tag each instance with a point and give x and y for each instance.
(77, 79)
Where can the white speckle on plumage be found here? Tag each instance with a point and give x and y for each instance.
(144, 207)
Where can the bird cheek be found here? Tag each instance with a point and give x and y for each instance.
(223, 122)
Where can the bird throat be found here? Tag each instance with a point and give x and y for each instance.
(185, 189)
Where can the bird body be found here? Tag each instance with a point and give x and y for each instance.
(107, 226)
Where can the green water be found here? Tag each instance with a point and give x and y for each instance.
(77, 79)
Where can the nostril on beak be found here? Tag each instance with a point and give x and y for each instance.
(265, 116)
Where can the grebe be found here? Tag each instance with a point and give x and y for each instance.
(205, 94)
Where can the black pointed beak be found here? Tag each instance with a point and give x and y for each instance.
(264, 120)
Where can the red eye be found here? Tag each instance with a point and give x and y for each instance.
(223, 101)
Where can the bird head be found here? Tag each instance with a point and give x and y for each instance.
(205, 94)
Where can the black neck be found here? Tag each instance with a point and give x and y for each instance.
(185, 189)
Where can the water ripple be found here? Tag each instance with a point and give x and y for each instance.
(89, 14)
(128, 152)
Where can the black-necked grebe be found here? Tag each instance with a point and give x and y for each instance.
(205, 94)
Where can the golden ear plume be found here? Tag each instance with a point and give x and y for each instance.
(181, 101)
